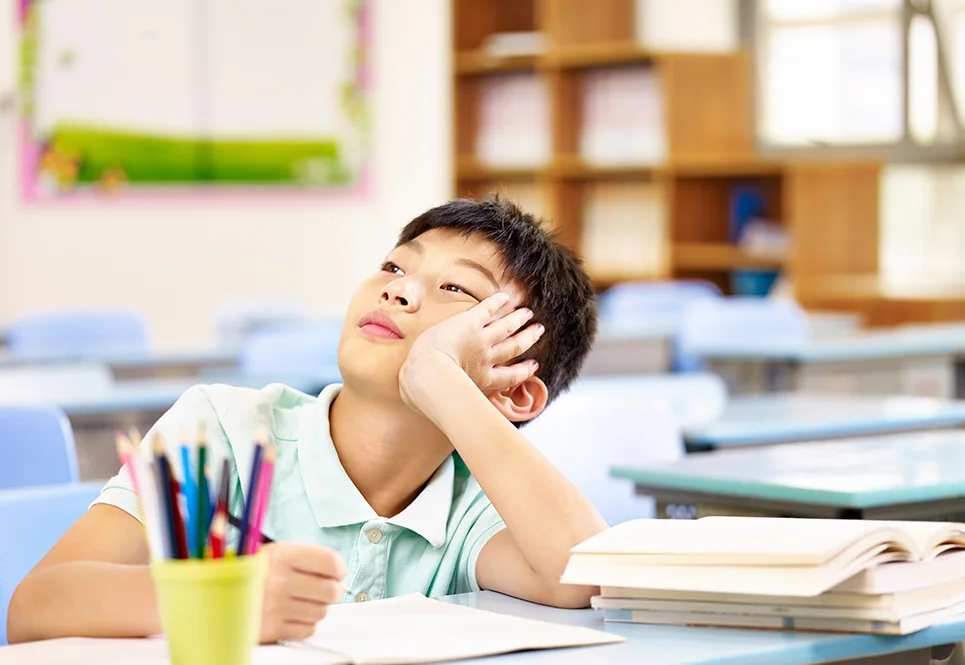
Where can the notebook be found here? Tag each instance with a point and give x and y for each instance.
(889, 607)
(903, 626)
(753, 555)
(397, 631)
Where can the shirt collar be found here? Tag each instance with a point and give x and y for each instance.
(335, 499)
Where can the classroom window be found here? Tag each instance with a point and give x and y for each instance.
(832, 72)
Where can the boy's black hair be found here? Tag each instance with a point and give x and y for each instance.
(555, 285)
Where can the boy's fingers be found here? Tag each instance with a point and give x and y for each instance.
(502, 328)
(487, 308)
(512, 375)
(516, 345)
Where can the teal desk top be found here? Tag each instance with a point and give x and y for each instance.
(856, 473)
(931, 340)
(692, 645)
(775, 418)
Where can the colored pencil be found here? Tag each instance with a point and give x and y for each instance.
(143, 486)
(125, 452)
(221, 509)
(190, 491)
(261, 501)
(180, 533)
(259, 448)
(219, 526)
(201, 513)
(165, 504)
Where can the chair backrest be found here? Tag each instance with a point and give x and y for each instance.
(48, 383)
(293, 350)
(77, 334)
(33, 520)
(236, 319)
(586, 432)
(36, 446)
(695, 398)
(633, 301)
(739, 324)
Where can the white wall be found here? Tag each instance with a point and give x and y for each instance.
(176, 262)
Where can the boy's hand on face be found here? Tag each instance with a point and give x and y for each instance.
(480, 342)
(302, 581)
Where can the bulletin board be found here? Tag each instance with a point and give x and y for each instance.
(126, 98)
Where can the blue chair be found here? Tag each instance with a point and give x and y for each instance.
(77, 334)
(36, 446)
(295, 350)
(33, 520)
(738, 324)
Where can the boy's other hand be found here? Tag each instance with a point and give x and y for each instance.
(481, 342)
(302, 581)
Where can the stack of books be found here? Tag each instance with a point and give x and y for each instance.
(860, 576)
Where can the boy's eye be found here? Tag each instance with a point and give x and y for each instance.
(455, 288)
(388, 266)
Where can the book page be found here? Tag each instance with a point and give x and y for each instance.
(758, 540)
(415, 629)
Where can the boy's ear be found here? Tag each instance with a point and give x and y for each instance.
(521, 402)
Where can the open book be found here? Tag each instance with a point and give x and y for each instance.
(753, 555)
(397, 631)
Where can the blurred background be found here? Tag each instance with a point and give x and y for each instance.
(173, 157)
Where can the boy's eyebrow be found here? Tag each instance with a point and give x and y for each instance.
(480, 268)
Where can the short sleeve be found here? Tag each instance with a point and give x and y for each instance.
(194, 408)
(487, 525)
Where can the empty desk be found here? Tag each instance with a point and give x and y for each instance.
(918, 475)
(149, 364)
(632, 348)
(779, 418)
(95, 417)
(924, 360)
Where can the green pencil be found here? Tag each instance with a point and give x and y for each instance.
(203, 507)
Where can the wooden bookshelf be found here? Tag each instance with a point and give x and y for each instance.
(828, 209)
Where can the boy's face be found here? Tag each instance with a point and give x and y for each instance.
(437, 275)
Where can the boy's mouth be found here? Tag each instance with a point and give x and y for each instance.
(378, 324)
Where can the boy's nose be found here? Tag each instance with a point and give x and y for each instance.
(399, 294)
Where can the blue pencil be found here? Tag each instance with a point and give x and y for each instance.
(260, 440)
(190, 491)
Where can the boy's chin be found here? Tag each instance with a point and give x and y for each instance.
(371, 376)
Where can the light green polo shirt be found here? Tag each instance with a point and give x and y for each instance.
(430, 548)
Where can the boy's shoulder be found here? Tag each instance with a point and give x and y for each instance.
(225, 399)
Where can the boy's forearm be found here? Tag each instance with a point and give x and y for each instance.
(85, 599)
(543, 511)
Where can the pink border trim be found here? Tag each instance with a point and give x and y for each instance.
(360, 191)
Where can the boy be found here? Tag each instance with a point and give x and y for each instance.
(475, 322)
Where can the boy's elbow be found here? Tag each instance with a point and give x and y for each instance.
(571, 597)
(18, 615)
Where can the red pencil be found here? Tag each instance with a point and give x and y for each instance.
(221, 511)
(179, 533)
(219, 526)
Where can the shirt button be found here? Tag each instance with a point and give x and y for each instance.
(374, 536)
(362, 598)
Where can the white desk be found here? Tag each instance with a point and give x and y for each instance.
(782, 417)
(652, 645)
(923, 360)
(636, 348)
(95, 417)
(148, 364)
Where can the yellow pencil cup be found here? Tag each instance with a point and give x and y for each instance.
(211, 608)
